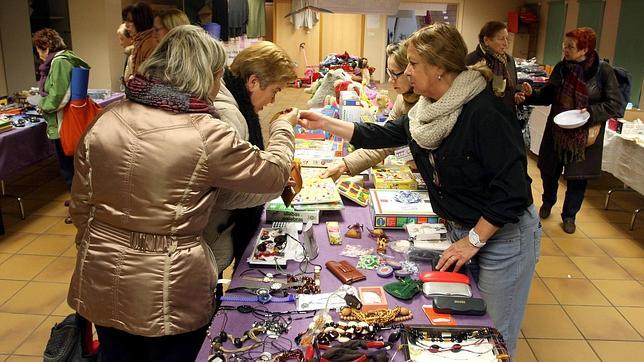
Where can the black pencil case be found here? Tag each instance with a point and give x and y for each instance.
(459, 305)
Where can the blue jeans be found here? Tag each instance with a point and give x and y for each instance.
(503, 271)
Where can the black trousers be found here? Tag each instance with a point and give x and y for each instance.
(574, 193)
(65, 164)
(117, 345)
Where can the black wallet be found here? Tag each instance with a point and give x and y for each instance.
(459, 305)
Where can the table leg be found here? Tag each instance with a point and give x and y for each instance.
(637, 211)
(21, 208)
(610, 192)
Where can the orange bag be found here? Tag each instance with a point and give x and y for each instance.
(77, 115)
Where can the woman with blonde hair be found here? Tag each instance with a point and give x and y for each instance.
(148, 172)
(474, 165)
(362, 159)
(251, 82)
(169, 20)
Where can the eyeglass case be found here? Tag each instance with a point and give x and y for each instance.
(459, 305)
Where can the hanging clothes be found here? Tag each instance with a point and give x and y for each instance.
(220, 16)
(256, 19)
(237, 17)
(305, 19)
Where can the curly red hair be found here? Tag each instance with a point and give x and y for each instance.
(585, 38)
(48, 39)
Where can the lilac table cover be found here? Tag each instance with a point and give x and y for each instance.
(22, 147)
(238, 323)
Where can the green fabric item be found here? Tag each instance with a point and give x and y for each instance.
(57, 88)
(256, 25)
(405, 289)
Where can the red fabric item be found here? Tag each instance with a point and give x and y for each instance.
(77, 115)
(513, 21)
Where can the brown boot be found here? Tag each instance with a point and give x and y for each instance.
(67, 202)
(569, 225)
(68, 220)
(544, 211)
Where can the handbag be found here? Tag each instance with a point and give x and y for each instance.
(77, 115)
(71, 341)
(593, 133)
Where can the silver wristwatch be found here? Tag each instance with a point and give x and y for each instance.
(475, 240)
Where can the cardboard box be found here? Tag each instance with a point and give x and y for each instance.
(394, 177)
(518, 45)
(277, 211)
(633, 114)
(388, 213)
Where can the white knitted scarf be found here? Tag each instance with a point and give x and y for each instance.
(430, 123)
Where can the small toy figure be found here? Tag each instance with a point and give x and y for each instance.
(377, 233)
(381, 245)
(355, 231)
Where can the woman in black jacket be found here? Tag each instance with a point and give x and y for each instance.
(493, 41)
(580, 81)
(473, 162)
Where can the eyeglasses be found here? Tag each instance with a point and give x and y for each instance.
(393, 75)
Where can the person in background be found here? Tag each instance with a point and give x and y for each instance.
(126, 42)
(148, 172)
(474, 164)
(251, 82)
(168, 20)
(493, 43)
(580, 81)
(362, 159)
(55, 79)
(139, 22)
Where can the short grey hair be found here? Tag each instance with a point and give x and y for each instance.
(186, 58)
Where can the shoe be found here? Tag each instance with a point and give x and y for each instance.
(544, 211)
(67, 203)
(569, 226)
(68, 220)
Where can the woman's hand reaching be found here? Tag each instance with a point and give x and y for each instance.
(312, 120)
(335, 170)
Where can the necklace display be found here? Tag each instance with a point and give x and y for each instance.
(301, 284)
(379, 316)
(344, 332)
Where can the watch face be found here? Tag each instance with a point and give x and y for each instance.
(263, 295)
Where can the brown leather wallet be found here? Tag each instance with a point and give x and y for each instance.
(344, 271)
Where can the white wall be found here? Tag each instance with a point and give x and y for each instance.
(375, 43)
(16, 46)
(93, 25)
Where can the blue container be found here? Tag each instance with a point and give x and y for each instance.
(213, 29)
(79, 81)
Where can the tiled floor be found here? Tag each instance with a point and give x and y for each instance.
(586, 302)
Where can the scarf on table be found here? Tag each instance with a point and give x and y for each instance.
(153, 93)
(247, 220)
(44, 72)
(570, 144)
(431, 122)
(498, 63)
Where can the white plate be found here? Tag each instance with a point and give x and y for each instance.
(572, 119)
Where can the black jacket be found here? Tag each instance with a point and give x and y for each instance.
(604, 102)
(481, 166)
(508, 99)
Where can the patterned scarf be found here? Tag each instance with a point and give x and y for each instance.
(431, 122)
(44, 72)
(499, 65)
(570, 144)
(153, 93)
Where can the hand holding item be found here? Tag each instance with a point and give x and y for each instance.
(519, 97)
(290, 114)
(335, 170)
(527, 89)
(459, 253)
(312, 120)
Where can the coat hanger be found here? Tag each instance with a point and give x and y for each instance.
(308, 7)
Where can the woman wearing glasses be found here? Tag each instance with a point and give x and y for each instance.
(580, 81)
(362, 159)
(474, 164)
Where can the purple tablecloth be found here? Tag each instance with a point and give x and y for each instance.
(238, 323)
(22, 147)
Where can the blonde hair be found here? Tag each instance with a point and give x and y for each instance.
(267, 61)
(187, 58)
(443, 46)
(399, 53)
(172, 18)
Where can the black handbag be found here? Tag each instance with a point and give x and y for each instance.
(71, 341)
